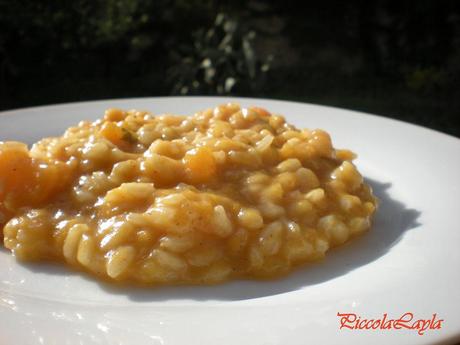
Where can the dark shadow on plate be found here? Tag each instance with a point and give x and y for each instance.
(392, 220)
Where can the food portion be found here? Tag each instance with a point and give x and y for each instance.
(226, 193)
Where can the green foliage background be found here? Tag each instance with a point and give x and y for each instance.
(398, 59)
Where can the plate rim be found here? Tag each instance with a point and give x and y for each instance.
(13, 111)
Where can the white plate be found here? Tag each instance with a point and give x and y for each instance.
(409, 262)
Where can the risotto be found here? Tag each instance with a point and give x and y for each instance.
(228, 192)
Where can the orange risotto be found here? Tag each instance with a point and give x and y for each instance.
(225, 193)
